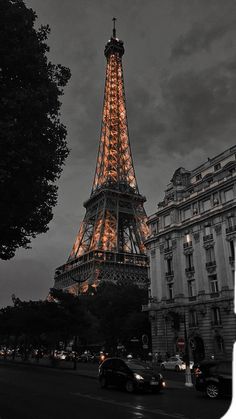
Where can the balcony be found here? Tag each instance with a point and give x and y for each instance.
(167, 249)
(190, 269)
(208, 238)
(169, 275)
(211, 264)
(215, 294)
(230, 229)
(187, 244)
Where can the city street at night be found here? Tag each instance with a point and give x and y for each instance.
(41, 393)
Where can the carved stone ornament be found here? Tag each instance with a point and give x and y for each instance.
(190, 274)
(218, 229)
(162, 246)
(211, 269)
(188, 250)
(196, 236)
(174, 243)
(208, 245)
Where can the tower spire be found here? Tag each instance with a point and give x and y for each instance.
(114, 27)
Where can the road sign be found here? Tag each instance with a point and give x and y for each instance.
(145, 339)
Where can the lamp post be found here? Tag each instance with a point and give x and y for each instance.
(188, 376)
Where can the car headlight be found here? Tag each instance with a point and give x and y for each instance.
(138, 377)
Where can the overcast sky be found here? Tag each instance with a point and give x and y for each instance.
(180, 84)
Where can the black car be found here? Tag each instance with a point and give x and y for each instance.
(129, 374)
(214, 378)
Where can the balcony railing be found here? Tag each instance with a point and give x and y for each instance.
(230, 229)
(208, 237)
(215, 294)
(187, 244)
(211, 264)
(170, 273)
(167, 249)
(190, 269)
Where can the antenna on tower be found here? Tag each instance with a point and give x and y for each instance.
(114, 27)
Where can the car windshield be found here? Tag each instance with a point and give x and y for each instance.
(136, 365)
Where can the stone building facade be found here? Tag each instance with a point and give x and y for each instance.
(191, 247)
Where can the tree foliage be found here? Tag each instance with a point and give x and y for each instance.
(118, 308)
(32, 139)
(113, 314)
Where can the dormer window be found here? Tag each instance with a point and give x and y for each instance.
(198, 177)
(217, 167)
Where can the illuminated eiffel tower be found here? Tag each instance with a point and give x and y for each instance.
(109, 245)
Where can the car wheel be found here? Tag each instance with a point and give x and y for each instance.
(129, 386)
(212, 390)
(177, 368)
(103, 382)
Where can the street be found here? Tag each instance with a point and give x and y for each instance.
(29, 392)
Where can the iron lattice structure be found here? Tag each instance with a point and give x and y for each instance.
(109, 245)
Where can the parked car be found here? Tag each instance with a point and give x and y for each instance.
(62, 355)
(175, 363)
(214, 378)
(129, 374)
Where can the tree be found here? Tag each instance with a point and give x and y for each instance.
(32, 139)
(118, 307)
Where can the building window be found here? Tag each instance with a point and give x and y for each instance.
(231, 221)
(168, 244)
(216, 318)
(153, 228)
(213, 284)
(193, 320)
(229, 195)
(210, 254)
(189, 262)
(169, 264)
(231, 249)
(220, 345)
(206, 205)
(167, 220)
(217, 167)
(187, 240)
(191, 289)
(187, 213)
(198, 177)
(170, 289)
(207, 230)
(216, 200)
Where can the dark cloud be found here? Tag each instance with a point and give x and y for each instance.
(202, 35)
(199, 108)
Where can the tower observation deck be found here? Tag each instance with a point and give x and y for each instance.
(109, 245)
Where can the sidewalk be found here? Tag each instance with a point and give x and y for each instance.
(87, 370)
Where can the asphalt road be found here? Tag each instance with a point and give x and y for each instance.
(28, 392)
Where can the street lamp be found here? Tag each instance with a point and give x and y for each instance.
(188, 376)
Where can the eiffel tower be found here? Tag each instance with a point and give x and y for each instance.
(109, 245)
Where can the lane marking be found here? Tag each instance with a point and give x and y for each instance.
(138, 408)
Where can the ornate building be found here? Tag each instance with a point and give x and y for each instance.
(109, 245)
(192, 261)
